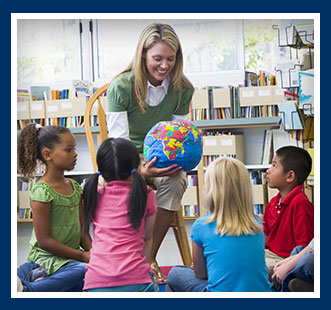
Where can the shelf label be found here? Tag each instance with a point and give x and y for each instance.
(264, 92)
(36, 107)
(21, 108)
(52, 108)
(279, 92)
(66, 105)
(248, 93)
(226, 142)
(210, 142)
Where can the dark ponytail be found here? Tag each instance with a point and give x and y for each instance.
(30, 143)
(138, 200)
(89, 200)
(116, 159)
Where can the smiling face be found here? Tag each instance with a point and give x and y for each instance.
(64, 155)
(160, 60)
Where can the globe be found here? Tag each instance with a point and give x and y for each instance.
(173, 143)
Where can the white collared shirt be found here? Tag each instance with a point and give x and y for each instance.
(117, 122)
(155, 94)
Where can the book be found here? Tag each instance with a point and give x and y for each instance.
(38, 92)
(23, 95)
(81, 88)
(251, 79)
(267, 151)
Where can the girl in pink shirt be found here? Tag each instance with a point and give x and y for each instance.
(122, 213)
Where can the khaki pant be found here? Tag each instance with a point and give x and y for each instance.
(271, 260)
(169, 190)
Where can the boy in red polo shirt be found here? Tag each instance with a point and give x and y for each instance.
(288, 219)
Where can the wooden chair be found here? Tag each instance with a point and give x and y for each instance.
(178, 224)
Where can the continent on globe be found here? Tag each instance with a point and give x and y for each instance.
(174, 143)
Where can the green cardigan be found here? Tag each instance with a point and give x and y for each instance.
(121, 98)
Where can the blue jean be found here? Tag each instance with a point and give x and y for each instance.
(68, 278)
(182, 279)
(303, 270)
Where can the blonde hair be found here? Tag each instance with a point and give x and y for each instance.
(152, 34)
(228, 198)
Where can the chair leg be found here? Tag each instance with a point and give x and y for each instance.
(181, 239)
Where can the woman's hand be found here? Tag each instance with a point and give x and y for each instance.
(151, 171)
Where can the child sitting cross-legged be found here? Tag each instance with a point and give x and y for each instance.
(227, 242)
(288, 219)
(122, 213)
(56, 259)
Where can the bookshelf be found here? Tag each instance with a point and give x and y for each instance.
(249, 131)
(250, 134)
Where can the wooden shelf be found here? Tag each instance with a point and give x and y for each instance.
(81, 130)
(24, 220)
(77, 130)
(190, 218)
(238, 122)
(257, 167)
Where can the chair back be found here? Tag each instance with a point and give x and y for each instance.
(101, 123)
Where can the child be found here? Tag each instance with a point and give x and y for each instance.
(123, 215)
(288, 219)
(56, 241)
(299, 265)
(153, 88)
(227, 242)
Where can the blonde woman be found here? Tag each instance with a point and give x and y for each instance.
(227, 242)
(153, 88)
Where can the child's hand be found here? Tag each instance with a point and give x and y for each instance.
(85, 256)
(280, 274)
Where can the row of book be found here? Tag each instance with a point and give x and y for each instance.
(259, 209)
(76, 89)
(69, 122)
(191, 180)
(235, 102)
(26, 185)
(25, 214)
(256, 176)
(208, 159)
(190, 211)
(260, 111)
(263, 78)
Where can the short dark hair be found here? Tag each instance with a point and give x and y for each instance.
(296, 159)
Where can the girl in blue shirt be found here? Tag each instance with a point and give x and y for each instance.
(228, 242)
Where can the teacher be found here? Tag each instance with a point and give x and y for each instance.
(153, 88)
